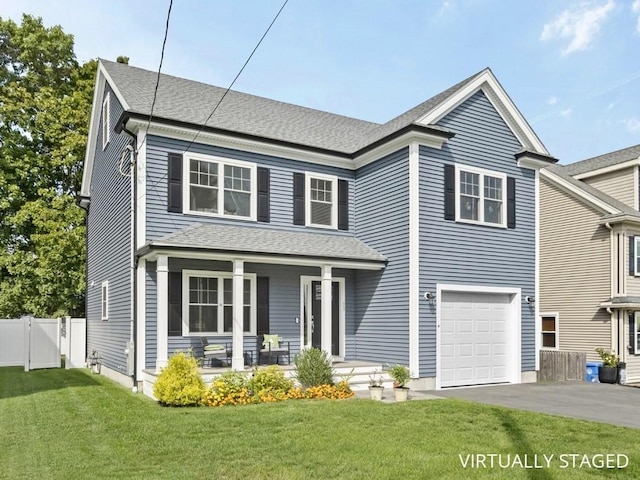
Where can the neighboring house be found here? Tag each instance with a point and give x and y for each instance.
(590, 256)
(409, 242)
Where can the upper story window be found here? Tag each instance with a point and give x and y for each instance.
(322, 200)
(480, 196)
(635, 255)
(220, 187)
(104, 301)
(106, 131)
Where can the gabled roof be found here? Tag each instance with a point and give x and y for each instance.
(228, 239)
(604, 161)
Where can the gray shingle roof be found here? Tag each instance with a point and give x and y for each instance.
(603, 161)
(189, 101)
(263, 241)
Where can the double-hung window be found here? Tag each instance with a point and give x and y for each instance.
(549, 331)
(104, 301)
(480, 196)
(220, 187)
(208, 305)
(106, 120)
(635, 256)
(322, 200)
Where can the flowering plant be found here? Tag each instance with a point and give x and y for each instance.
(609, 359)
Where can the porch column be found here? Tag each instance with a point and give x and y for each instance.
(326, 310)
(237, 361)
(162, 307)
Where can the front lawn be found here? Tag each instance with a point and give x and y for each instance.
(72, 424)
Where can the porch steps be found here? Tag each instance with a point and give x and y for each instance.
(359, 376)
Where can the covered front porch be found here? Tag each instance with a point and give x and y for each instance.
(232, 284)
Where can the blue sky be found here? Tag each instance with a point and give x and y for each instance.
(571, 67)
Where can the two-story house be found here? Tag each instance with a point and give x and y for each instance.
(590, 256)
(414, 241)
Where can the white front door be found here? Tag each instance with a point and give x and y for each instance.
(311, 314)
(474, 338)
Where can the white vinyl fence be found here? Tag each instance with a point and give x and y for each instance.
(36, 342)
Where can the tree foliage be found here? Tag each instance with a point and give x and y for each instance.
(45, 103)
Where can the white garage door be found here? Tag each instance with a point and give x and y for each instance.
(474, 348)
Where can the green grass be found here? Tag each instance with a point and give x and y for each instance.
(71, 424)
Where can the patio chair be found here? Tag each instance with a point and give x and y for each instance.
(214, 351)
(271, 346)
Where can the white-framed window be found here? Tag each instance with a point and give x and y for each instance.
(481, 196)
(104, 300)
(321, 200)
(106, 120)
(636, 255)
(220, 187)
(636, 333)
(549, 331)
(207, 307)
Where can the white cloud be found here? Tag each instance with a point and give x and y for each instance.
(632, 124)
(635, 8)
(552, 101)
(580, 24)
(565, 113)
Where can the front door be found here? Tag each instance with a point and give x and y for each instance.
(312, 315)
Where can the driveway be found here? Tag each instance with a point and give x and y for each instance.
(599, 402)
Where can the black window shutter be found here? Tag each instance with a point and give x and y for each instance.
(298, 199)
(343, 205)
(632, 255)
(449, 192)
(174, 184)
(511, 202)
(175, 304)
(632, 334)
(263, 195)
(262, 295)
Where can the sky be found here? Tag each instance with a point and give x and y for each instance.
(571, 68)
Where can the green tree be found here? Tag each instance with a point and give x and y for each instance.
(45, 104)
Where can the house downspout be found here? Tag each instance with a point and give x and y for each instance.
(133, 277)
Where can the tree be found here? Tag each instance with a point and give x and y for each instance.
(45, 104)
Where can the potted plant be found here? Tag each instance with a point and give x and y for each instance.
(400, 375)
(376, 388)
(608, 372)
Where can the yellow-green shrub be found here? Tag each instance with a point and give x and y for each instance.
(179, 384)
(230, 388)
(269, 384)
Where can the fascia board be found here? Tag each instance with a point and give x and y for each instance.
(568, 187)
(609, 169)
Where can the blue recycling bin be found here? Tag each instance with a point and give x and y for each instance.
(592, 372)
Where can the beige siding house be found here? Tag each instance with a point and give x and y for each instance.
(590, 257)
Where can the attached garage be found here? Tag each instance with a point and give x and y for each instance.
(478, 337)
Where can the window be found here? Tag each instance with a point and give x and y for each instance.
(635, 333)
(550, 331)
(481, 196)
(208, 308)
(104, 302)
(106, 131)
(635, 255)
(220, 187)
(322, 200)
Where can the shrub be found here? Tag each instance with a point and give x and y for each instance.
(313, 368)
(270, 384)
(230, 388)
(333, 392)
(179, 384)
(399, 374)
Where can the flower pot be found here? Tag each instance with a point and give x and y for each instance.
(376, 393)
(402, 394)
(607, 374)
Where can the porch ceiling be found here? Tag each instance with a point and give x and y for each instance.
(266, 245)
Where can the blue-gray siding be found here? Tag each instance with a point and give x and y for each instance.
(109, 250)
(160, 222)
(382, 297)
(470, 254)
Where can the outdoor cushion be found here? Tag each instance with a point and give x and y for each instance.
(214, 348)
(270, 339)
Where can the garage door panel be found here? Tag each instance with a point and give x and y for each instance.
(473, 338)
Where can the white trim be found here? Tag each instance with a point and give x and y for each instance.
(636, 188)
(414, 260)
(636, 333)
(221, 162)
(556, 315)
(404, 140)
(237, 329)
(141, 189)
(486, 82)
(326, 309)
(104, 300)
(561, 182)
(305, 280)
(162, 312)
(514, 335)
(532, 163)
(611, 168)
(220, 276)
(482, 173)
(105, 120)
(636, 255)
(536, 307)
(334, 199)
(141, 319)
(256, 258)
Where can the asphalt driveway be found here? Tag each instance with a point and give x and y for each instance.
(600, 402)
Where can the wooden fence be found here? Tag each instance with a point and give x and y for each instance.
(556, 366)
